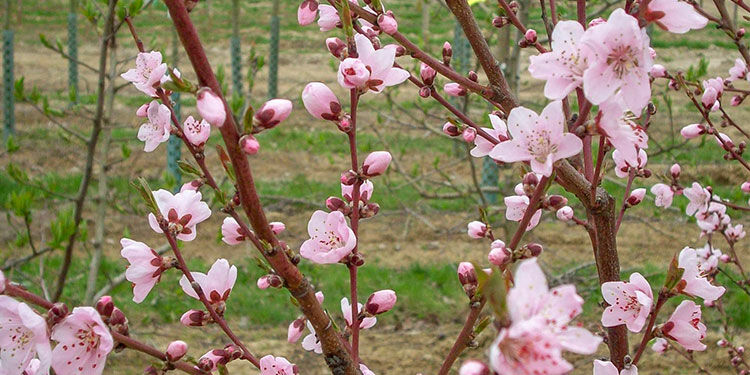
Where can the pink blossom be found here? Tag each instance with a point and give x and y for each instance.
(636, 197)
(608, 368)
(695, 274)
(249, 144)
(373, 70)
(182, 211)
(539, 329)
(708, 258)
(473, 367)
(311, 342)
(376, 163)
(658, 71)
(346, 310)
(142, 111)
(277, 227)
(331, 239)
(23, 336)
(270, 365)
(216, 285)
(498, 254)
(320, 101)
(515, 208)
(565, 213)
(620, 60)
(380, 302)
(196, 132)
(454, 89)
(477, 229)
(211, 107)
(537, 138)
(272, 113)
(660, 345)
(693, 131)
(735, 233)
(499, 131)
(176, 350)
(295, 330)
(712, 90)
(365, 191)
(469, 134)
(618, 125)
(738, 71)
(622, 166)
(231, 233)
(329, 17)
(34, 367)
(387, 23)
(629, 302)
(699, 198)
(745, 187)
(714, 218)
(563, 67)
(145, 269)
(148, 72)
(307, 11)
(664, 195)
(83, 343)
(673, 15)
(158, 127)
(685, 326)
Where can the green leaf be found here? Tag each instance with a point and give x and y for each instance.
(11, 145)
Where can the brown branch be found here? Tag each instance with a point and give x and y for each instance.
(464, 337)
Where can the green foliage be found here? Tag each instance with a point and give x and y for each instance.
(695, 73)
(63, 226)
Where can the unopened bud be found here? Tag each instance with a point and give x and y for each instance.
(499, 254)
(473, 76)
(345, 124)
(675, 170)
(425, 91)
(450, 129)
(105, 306)
(249, 144)
(556, 201)
(357, 260)
(530, 179)
(565, 213)
(335, 203)
(740, 32)
(348, 177)
(380, 302)
(636, 197)
(468, 278)
(369, 210)
(176, 350)
(447, 53)
(469, 134)
(535, 249)
(530, 36)
(427, 74)
(477, 229)
(56, 313)
(194, 318)
(500, 21)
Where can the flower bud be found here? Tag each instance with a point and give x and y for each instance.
(447, 53)
(205, 364)
(500, 21)
(725, 258)
(277, 227)
(735, 101)
(336, 47)
(348, 177)
(473, 367)
(740, 350)
(321, 102)
(380, 302)
(307, 11)
(249, 144)
(142, 111)
(530, 36)
(295, 330)
(264, 282)
(693, 131)
(745, 186)
(56, 313)
(345, 124)
(468, 278)
(556, 201)
(376, 163)
(369, 210)
(636, 197)
(675, 170)
(335, 203)
(469, 134)
(473, 76)
(658, 71)
(105, 306)
(387, 23)
(450, 129)
(565, 213)
(425, 91)
(454, 89)
(117, 317)
(400, 51)
(722, 343)
(427, 73)
(272, 113)
(477, 229)
(535, 249)
(194, 318)
(176, 350)
(151, 370)
(740, 32)
(211, 107)
(530, 179)
(357, 260)
(499, 254)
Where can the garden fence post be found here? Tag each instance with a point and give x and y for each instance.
(73, 51)
(175, 143)
(8, 81)
(273, 59)
(235, 50)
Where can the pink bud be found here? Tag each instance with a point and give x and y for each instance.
(454, 89)
(741, 32)
(117, 317)
(272, 113)
(295, 330)
(722, 343)
(211, 107)
(105, 306)
(499, 21)
(735, 101)
(693, 131)
(277, 227)
(176, 350)
(427, 74)
(745, 186)
(675, 170)
(335, 203)
(264, 282)
(425, 91)
(469, 134)
(636, 196)
(387, 23)
(306, 12)
(477, 229)
(447, 53)
(466, 274)
(376, 163)
(336, 47)
(565, 213)
(142, 110)
(499, 254)
(725, 258)
(320, 101)
(380, 302)
(658, 71)
(193, 318)
(530, 36)
(348, 177)
(450, 129)
(249, 144)
(556, 201)
(473, 367)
